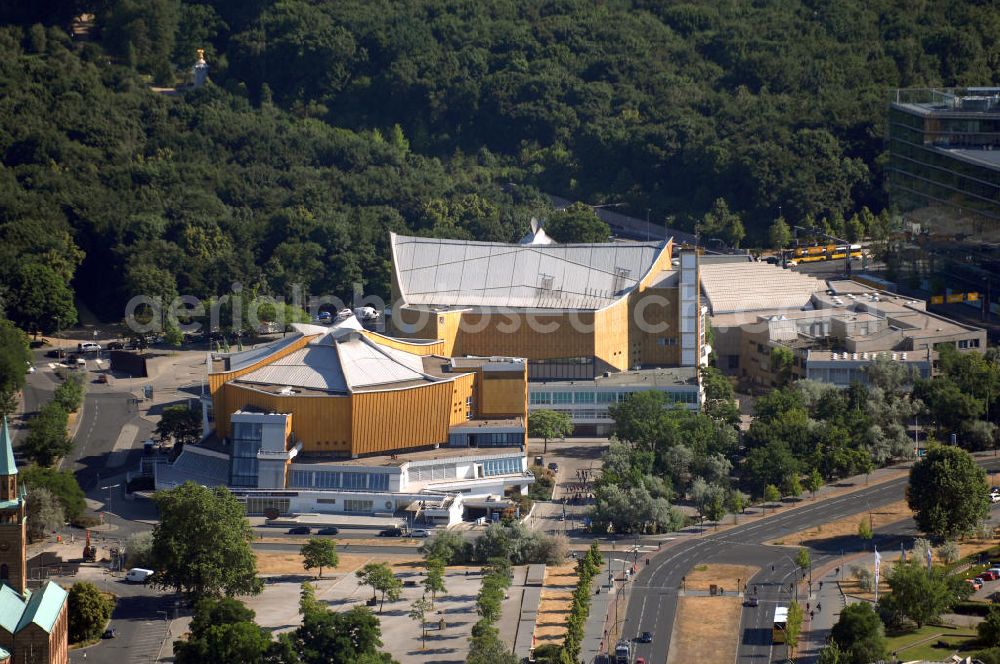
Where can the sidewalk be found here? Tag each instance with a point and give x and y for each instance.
(815, 630)
(600, 622)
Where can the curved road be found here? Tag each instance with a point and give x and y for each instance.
(652, 603)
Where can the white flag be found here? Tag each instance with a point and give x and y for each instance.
(878, 561)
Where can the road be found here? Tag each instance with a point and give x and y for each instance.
(140, 620)
(652, 604)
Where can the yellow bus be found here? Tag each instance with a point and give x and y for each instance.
(780, 624)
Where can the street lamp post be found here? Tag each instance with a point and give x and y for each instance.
(109, 488)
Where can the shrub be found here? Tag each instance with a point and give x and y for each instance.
(545, 481)
(865, 578)
(85, 521)
(447, 546)
(968, 608)
(948, 552)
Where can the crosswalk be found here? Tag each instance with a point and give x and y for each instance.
(146, 641)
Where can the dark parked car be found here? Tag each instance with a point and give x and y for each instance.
(645, 637)
(391, 532)
(328, 531)
(752, 600)
(299, 530)
(56, 352)
(109, 633)
(116, 345)
(554, 467)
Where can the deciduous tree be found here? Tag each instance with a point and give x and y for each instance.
(61, 483)
(89, 611)
(548, 424)
(47, 438)
(45, 513)
(201, 546)
(578, 223)
(434, 579)
(948, 492)
(381, 579)
(859, 634)
(319, 552)
(418, 613)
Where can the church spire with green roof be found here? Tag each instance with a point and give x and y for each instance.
(7, 465)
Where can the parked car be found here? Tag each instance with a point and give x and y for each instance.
(390, 532)
(995, 570)
(328, 531)
(640, 660)
(31, 368)
(987, 576)
(554, 467)
(88, 347)
(109, 633)
(116, 345)
(975, 583)
(57, 353)
(995, 495)
(752, 600)
(645, 637)
(299, 530)
(420, 532)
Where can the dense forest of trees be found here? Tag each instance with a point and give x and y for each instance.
(330, 122)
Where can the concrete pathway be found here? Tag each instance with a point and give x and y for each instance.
(593, 630)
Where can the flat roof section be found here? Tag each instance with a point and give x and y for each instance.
(656, 377)
(981, 157)
(757, 286)
(442, 453)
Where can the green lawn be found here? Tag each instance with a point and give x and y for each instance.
(959, 639)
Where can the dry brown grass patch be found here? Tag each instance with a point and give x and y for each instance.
(848, 526)
(706, 630)
(703, 576)
(555, 603)
(269, 562)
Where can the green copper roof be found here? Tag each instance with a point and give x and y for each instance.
(7, 465)
(44, 607)
(11, 608)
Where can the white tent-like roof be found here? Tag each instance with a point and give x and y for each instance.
(340, 361)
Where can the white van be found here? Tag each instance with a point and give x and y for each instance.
(138, 575)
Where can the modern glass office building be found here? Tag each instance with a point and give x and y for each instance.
(944, 149)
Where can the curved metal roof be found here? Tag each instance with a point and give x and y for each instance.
(462, 273)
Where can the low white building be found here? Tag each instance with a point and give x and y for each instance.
(468, 478)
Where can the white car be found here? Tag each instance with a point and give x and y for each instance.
(88, 347)
(420, 532)
(995, 496)
(31, 368)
